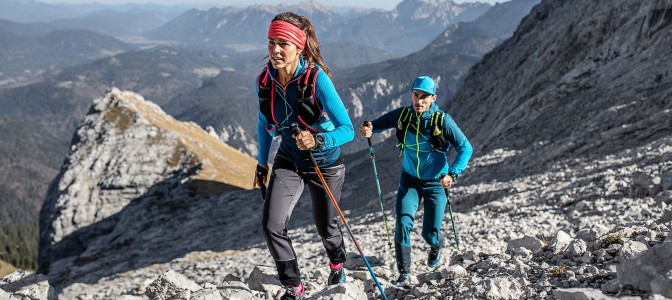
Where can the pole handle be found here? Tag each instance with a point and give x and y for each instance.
(296, 130)
(445, 189)
(369, 139)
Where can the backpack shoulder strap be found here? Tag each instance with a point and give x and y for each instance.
(266, 90)
(402, 126)
(437, 138)
(308, 105)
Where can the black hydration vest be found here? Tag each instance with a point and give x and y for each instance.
(308, 106)
(437, 137)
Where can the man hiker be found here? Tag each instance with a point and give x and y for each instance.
(425, 135)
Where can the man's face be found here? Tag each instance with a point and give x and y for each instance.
(422, 101)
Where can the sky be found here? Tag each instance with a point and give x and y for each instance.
(385, 4)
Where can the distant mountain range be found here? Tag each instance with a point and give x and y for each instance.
(239, 26)
(29, 11)
(25, 56)
(115, 23)
(407, 28)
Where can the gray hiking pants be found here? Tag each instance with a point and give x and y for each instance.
(284, 189)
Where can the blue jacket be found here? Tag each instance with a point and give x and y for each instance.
(336, 127)
(420, 159)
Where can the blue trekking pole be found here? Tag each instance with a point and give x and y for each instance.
(380, 195)
(296, 130)
(452, 220)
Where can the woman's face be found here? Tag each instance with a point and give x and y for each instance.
(422, 101)
(283, 54)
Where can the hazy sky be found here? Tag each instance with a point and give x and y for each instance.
(386, 4)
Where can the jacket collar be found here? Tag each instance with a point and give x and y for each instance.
(299, 69)
(428, 114)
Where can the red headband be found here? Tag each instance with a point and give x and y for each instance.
(287, 31)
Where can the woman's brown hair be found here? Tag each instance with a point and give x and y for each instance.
(311, 52)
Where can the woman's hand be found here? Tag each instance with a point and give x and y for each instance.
(260, 176)
(366, 129)
(304, 140)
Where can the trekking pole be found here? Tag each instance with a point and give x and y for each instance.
(452, 220)
(262, 187)
(296, 130)
(380, 195)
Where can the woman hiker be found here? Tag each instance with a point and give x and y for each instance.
(425, 135)
(295, 88)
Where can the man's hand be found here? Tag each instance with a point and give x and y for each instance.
(446, 181)
(304, 140)
(366, 129)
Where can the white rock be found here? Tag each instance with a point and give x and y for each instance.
(454, 272)
(652, 265)
(500, 288)
(560, 242)
(577, 247)
(171, 285)
(528, 242)
(579, 294)
(26, 285)
(631, 248)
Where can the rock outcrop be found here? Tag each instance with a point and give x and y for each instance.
(126, 150)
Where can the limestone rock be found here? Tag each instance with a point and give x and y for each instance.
(172, 285)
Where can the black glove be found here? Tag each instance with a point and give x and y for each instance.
(261, 174)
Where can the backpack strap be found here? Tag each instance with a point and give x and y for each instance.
(402, 127)
(308, 107)
(437, 138)
(266, 91)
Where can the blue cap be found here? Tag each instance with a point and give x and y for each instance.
(425, 84)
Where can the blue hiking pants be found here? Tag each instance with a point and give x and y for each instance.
(410, 193)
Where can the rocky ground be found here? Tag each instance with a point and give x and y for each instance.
(587, 229)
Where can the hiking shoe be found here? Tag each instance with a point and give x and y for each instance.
(294, 292)
(404, 281)
(434, 256)
(336, 275)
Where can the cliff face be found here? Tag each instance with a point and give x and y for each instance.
(577, 78)
(127, 149)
